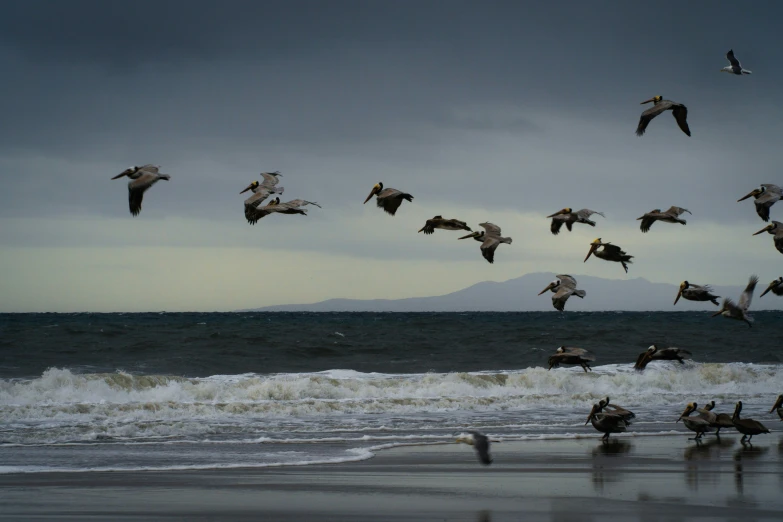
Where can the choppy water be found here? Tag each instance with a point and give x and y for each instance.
(188, 391)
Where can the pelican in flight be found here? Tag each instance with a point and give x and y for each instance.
(748, 427)
(679, 111)
(776, 287)
(444, 224)
(480, 442)
(563, 288)
(388, 199)
(776, 229)
(568, 218)
(698, 424)
(490, 239)
(735, 67)
(653, 353)
(778, 406)
(261, 191)
(764, 197)
(275, 207)
(569, 355)
(609, 252)
(739, 311)
(670, 216)
(142, 178)
(606, 422)
(693, 292)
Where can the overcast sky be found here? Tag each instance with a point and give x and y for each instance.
(484, 111)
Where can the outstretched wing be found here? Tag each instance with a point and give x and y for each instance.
(138, 186)
(270, 180)
(488, 247)
(556, 225)
(648, 220)
(680, 113)
(647, 116)
(567, 280)
(613, 249)
(747, 294)
(586, 213)
(733, 61)
(492, 229)
(676, 211)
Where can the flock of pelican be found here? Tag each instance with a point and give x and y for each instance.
(581, 357)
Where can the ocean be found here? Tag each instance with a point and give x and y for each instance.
(96, 392)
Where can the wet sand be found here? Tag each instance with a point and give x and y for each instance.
(663, 478)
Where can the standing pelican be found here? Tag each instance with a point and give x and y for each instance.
(778, 406)
(653, 353)
(722, 420)
(563, 288)
(490, 239)
(776, 287)
(261, 191)
(735, 67)
(739, 311)
(764, 198)
(444, 224)
(570, 355)
(567, 217)
(606, 423)
(693, 292)
(776, 229)
(142, 178)
(609, 252)
(670, 216)
(698, 425)
(626, 414)
(748, 427)
(275, 207)
(388, 199)
(480, 442)
(679, 111)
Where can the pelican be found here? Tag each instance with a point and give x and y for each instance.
(764, 198)
(653, 353)
(735, 67)
(606, 423)
(567, 217)
(739, 311)
(722, 420)
(609, 252)
(490, 240)
(480, 442)
(627, 415)
(388, 199)
(778, 406)
(748, 427)
(142, 178)
(261, 191)
(444, 224)
(679, 111)
(569, 355)
(698, 425)
(564, 288)
(670, 216)
(289, 207)
(776, 287)
(693, 292)
(776, 229)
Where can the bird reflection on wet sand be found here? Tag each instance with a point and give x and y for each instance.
(605, 467)
(746, 454)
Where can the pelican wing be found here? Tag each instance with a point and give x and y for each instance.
(301, 203)
(489, 246)
(258, 196)
(138, 186)
(481, 444)
(567, 281)
(640, 361)
(270, 179)
(647, 221)
(613, 249)
(390, 199)
(586, 213)
(561, 296)
(747, 294)
(557, 224)
(677, 211)
(733, 61)
(680, 113)
(648, 115)
(492, 230)
(581, 352)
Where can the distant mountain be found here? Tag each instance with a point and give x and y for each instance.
(520, 295)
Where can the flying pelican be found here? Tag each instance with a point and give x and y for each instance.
(627, 415)
(142, 178)
(653, 353)
(490, 239)
(693, 292)
(609, 252)
(564, 288)
(778, 406)
(764, 198)
(748, 427)
(444, 224)
(605, 422)
(388, 199)
(480, 442)
(567, 217)
(739, 311)
(289, 207)
(679, 111)
(776, 229)
(735, 67)
(776, 287)
(569, 355)
(261, 191)
(722, 420)
(699, 425)
(670, 216)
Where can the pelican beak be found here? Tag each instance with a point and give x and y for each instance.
(121, 174)
(717, 313)
(248, 188)
(778, 404)
(559, 212)
(678, 296)
(592, 249)
(752, 193)
(372, 193)
(592, 414)
(688, 409)
(549, 286)
(762, 230)
(422, 228)
(647, 101)
(762, 295)
(474, 234)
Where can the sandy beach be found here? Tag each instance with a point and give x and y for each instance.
(646, 478)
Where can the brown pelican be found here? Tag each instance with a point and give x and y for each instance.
(142, 178)
(693, 292)
(289, 207)
(605, 422)
(568, 218)
(776, 229)
(735, 67)
(490, 239)
(764, 198)
(776, 287)
(627, 415)
(569, 355)
(444, 224)
(670, 216)
(748, 427)
(653, 353)
(480, 442)
(679, 111)
(778, 406)
(609, 252)
(739, 311)
(721, 420)
(698, 425)
(261, 191)
(388, 199)
(564, 288)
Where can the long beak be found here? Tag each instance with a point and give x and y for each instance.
(778, 404)
(647, 101)
(592, 249)
(678, 296)
(248, 188)
(556, 213)
(545, 289)
(469, 235)
(368, 197)
(762, 295)
(592, 413)
(743, 198)
(761, 231)
(684, 413)
(121, 174)
(422, 228)
(717, 313)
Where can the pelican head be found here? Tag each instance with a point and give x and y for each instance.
(654, 99)
(250, 187)
(593, 247)
(466, 438)
(474, 234)
(769, 229)
(710, 406)
(275, 201)
(755, 193)
(683, 286)
(126, 172)
(550, 286)
(375, 190)
(566, 210)
(688, 409)
(596, 409)
(778, 403)
(774, 284)
(603, 403)
(560, 349)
